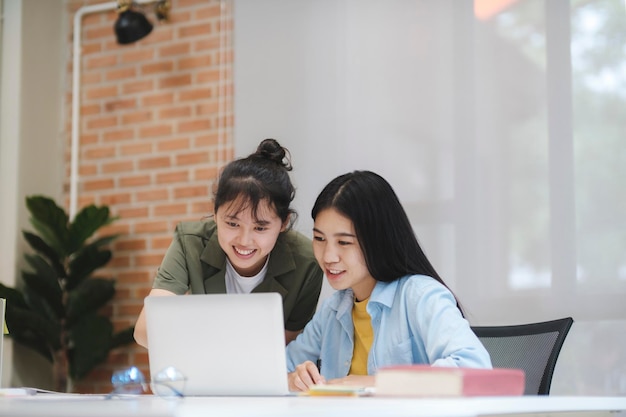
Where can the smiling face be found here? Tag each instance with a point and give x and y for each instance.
(247, 240)
(339, 254)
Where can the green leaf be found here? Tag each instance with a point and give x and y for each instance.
(44, 282)
(57, 307)
(27, 326)
(48, 294)
(123, 337)
(103, 241)
(88, 298)
(86, 261)
(50, 221)
(90, 340)
(86, 223)
(37, 304)
(14, 297)
(49, 253)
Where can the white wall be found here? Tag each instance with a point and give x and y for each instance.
(487, 130)
(31, 144)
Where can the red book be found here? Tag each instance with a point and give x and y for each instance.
(432, 381)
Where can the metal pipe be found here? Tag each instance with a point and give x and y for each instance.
(74, 150)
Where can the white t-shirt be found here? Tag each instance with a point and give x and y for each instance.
(236, 284)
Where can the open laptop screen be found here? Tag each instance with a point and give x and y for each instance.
(224, 344)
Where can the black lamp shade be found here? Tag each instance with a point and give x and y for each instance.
(131, 26)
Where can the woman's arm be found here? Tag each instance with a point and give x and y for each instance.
(447, 336)
(141, 333)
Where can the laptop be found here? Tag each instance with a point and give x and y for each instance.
(224, 344)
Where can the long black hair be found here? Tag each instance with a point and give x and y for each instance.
(382, 227)
(261, 176)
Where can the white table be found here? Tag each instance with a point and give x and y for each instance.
(148, 406)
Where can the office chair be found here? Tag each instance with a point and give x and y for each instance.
(533, 347)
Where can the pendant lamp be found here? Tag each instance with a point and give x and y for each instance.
(132, 25)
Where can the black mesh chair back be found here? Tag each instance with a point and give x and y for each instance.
(533, 347)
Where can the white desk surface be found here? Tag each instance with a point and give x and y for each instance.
(148, 406)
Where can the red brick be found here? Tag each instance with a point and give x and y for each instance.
(101, 61)
(196, 94)
(208, 12)
(121, 104)
(205, 173)
(175, 81)
(117, 228)
(137, 87)
(134, 277)
(100, 122)
(119, 261)
(152, 227)
(90, 78)
(157, 67)
(210, 76)
(136, 149)
(99, 152)
(194, 62)
(194, 125)
(129, 244)
(206, 140)
(133, 212)
(207, 43)
(96, 33)
(105, 184)
(202, 208)
(88, 139)
(172, 177)
(176, 49)
(155, 131)
(120, 74)
(138, 55)
(148, 260)
(91, 48)
(173, 145)
(158, 99)
(195, 158)
(87, 170)
(135, 181)
(210, 108)
(161, 242)
(154, 162)
(153, 195)
(117, 135)
(175, 112)
(114, 199)
(101, 92)
(141, 116)
(195, 30)
(170, 209)
(117, 166)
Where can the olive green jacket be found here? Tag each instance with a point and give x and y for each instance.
(196, 263)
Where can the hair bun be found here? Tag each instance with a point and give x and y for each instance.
(271, 149)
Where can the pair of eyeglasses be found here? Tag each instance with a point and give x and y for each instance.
(168, 383)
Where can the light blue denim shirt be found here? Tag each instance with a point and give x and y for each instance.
(415, 321)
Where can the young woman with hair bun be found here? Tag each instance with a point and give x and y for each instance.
(247, 245)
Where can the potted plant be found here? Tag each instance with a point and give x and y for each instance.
(56, 309)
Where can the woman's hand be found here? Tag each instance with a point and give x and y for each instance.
(305, 376)
(354, 380)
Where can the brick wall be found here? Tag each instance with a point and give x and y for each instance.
(155, 127)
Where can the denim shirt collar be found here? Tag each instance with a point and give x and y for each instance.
(383, 294)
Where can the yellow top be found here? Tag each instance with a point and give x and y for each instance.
(363, 337)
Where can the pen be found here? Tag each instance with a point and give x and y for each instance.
(318, 363)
